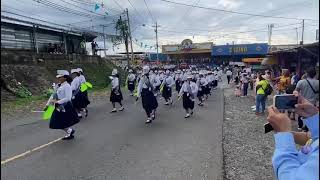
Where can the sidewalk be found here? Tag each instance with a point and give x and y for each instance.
(247, 150)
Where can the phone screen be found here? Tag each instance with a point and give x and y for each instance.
(286, 101)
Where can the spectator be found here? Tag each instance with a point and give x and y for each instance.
(93, 46)
(245, 82)
(229, 75)
(261, 97)
(294, 78)
(96, 47)
(288, 162)
(309, 89)
(284, 81)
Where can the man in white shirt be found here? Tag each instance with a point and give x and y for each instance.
(229, 75)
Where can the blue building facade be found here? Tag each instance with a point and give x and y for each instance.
(224, 54)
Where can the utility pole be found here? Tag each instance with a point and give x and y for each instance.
(297, 36)
(130, 38)
(156, 30)
(302, 31)
(270, 26)
(104, 42)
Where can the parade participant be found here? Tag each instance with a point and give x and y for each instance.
(167, 84)
(161, 75)
(86, 98)
(188, 92)
(210, 81)
(116, 95)
(178, 80)
(201, 83)
(131, 82)
(156, 83)
(220, 72)
(77, 95)
(145, 90)
(215, 79)
(64, 116)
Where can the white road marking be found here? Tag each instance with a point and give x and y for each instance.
(28, 152)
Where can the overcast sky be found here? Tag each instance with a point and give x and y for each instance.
(179, 22)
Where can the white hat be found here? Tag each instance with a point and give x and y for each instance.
(167, 72)
(61, 73)
(114, 72)
(209, 72)
(130, 70)
(264, 76)
(79, 70)
(145, 69)
(189, 76)
(74, 71)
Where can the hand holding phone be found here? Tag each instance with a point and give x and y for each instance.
(285, 101)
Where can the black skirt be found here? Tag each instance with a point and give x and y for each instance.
(131, 85)
(187, 102)
(116, 97)
(201, 92)
(149, 101)
(207, 89)
(178, 85)
(167, 92)
(80, 100)
(62, 120)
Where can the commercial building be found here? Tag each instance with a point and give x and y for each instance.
(188, 52)
(296, 58)
(250, 55)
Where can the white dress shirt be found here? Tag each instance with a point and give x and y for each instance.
(75, 84)
(114, 83)
(184, 88)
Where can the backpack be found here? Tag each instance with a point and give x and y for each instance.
(268, 90)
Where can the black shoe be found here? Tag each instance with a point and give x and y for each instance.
(148, 121)
(86, 110)
(191, 113)
(68, 137)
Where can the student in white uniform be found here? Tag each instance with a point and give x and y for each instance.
(167, 84)
(131, 82)
(77, 96)
(145, 91)
(178, 80)
(210, 81)
(155, 81)
(116, 94)
(85, 100)
(188, 92)
(201, 83)
(64, 115)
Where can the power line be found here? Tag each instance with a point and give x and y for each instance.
(234, 12)
(149, 10)
(82, 8)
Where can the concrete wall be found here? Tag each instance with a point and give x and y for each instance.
(28, 57)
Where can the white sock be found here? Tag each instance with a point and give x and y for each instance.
(69, 130)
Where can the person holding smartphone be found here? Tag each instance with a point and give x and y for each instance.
(288, 162)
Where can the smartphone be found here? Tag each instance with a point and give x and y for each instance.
(285, 101)
(267, 127)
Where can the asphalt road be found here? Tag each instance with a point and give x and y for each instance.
(120, 145)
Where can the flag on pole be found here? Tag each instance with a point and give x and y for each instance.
(96, 7)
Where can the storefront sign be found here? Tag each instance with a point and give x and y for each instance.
(240, 49)
(186, 46)
(252, 60)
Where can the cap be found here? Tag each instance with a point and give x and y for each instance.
(61, 73)
(114, 72)
(145, 69)
(79, 70)
(74, 71)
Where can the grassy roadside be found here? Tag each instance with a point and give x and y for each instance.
(38, 102)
